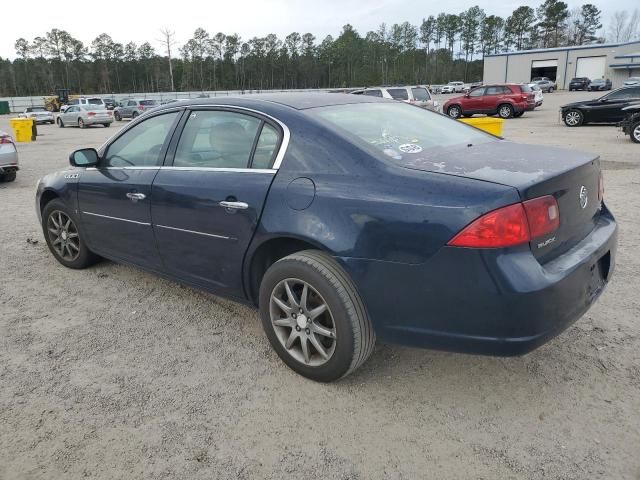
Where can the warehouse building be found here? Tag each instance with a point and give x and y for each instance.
(617, 61)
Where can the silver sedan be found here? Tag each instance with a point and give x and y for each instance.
(84, 115)
(8, 158)
(39, 114)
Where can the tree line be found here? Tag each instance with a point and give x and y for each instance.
(441, 48)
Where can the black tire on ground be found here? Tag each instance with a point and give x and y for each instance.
(81, 123)
(106, 125)
(573, 118)
(60, 124)
(634, 133)
(550, 89)
(52, 122)
(505, 110)
(134, 115)
(85, 257)
(467, 115)
(518, 114)
(454, 111)
(117, 116)
(8, 177)
(354, 334)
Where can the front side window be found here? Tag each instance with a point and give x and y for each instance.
(217, 139)
(141, 145)
(420, 94)
(398, 93)
(477, 92)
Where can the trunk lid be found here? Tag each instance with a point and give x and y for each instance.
(534, 171)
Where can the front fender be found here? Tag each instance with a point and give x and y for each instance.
(62, 185)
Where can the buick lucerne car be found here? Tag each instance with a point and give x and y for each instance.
(605, 109)
(344, 219)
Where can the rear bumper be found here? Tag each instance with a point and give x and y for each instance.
(96, 121)
(493, 302)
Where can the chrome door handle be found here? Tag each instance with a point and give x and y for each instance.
(134, 197)
(234, 205)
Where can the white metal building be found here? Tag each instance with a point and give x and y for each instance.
(617, 61)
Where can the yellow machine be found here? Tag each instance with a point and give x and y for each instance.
(53, 103)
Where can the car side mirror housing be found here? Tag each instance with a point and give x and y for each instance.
(467, 95)
(85, 157)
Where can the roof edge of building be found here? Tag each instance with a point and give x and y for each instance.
(562, 49)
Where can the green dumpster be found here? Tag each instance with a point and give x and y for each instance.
(4, 108)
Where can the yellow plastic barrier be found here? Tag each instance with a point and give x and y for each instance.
(488, 124)
(22, 129)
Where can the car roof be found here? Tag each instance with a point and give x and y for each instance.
(296, 100)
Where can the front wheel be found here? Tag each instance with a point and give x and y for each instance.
(635, 132)
(313, 316)
(117, 116)
(505, 111)
(106, 125)
(550, 89)
(64, 237)
(573, 118)
(60, 123)
(454, 111)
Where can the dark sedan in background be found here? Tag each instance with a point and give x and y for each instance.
(344, 218)
(631, 123)
(600, 84)
(605, 109)
(579, 83)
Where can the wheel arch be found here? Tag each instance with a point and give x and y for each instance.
(266, 253)
(46, 197)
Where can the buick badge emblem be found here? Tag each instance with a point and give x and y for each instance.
(584, 197)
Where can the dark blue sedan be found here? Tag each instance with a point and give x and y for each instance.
(344, 218)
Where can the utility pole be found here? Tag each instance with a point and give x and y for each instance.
(168, 42)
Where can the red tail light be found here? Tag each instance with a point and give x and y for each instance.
(511, 225)
(601, 188)
(91, 114)
(140, 107)
(5, 139)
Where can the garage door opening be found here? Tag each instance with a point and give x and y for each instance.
(544, 68)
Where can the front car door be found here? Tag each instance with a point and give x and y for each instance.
(609, 108)
(70, 115)
(474, 101)
(114, 198)
(207, 204)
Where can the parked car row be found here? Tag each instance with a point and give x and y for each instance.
(8, 158)
(416, 95)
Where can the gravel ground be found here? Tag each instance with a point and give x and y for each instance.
(113, 373)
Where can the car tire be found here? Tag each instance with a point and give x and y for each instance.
(505, 111)
(60, 123)
(573, 118)
(74, 252)
(518, 114)
(81, 123)
(8, 177)
(134, 115)
(454, 111)
(551, 89)
(340, 328)
(106, 125)
(634, 132)
(117, 116)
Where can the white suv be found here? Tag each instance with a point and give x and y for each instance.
(453, 87)
(96, 101)
(416, 95)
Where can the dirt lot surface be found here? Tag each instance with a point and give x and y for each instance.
(112, 373)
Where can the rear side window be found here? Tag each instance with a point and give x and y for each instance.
(142, 144)
(217, 139)
(626, 93)
(398, 93)
(496, 90)
(266, 147)
(420, 94)
(373, 93)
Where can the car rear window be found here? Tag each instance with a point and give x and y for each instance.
(420, 94)
(398, 93)
(95, 101)
(398, 131)
(148, 102)
(526, 88)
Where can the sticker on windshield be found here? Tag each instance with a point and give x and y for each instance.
(410, 148)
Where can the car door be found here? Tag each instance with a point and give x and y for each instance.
(114, 198)
(473, 101)
(207, 204)
(609, 108)
(70, 115)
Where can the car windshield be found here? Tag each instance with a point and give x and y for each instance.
(148, 102)
(397, 130)
(421, 94)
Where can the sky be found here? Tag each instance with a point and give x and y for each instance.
(140, 21)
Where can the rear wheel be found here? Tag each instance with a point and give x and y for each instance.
(63, 236)
(573, 118)
(8, 177)
(313, 316)
(454, 111)
(81, 123)
(106, 125)
(505, 111)
(635, 132)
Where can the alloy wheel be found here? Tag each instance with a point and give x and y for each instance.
(303, 322)
(505, 111)
(63, 235)
(636, 133)
(572, 118)
(454, 112)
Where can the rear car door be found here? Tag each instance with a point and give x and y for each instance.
(399, 94)
(491, 98)
(114, 198)
(207, 204)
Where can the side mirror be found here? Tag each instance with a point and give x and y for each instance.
(467, 95)
(85, 157)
